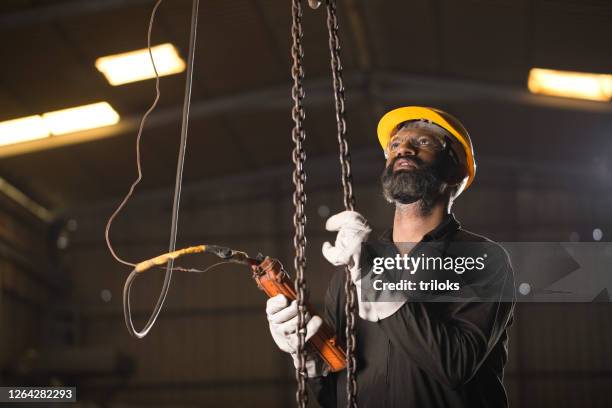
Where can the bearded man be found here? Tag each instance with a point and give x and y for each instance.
(435, 345)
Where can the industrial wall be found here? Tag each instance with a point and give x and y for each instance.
(26, 284)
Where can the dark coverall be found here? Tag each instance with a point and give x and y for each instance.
(429, 354)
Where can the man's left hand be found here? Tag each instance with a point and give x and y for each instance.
(353, 230)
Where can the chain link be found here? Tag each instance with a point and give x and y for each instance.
(299, 195)
(349, 198)
(339, 97)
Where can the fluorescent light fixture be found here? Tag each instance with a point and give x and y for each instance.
(80, 118)
(596, 87)
(37, 132)
(22, 130)
(136, 65)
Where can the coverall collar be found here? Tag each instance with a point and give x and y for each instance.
(447, 226)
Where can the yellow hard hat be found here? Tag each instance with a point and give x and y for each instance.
(389, 122)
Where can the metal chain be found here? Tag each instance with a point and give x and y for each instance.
(349, 198)
(299, 195)
(339, 96)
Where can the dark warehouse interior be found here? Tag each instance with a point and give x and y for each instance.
(544, 174)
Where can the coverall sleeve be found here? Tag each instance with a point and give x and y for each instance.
(451, 340)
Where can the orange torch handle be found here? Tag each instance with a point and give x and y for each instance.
(273, 280)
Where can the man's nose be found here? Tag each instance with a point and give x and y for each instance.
(406, 149)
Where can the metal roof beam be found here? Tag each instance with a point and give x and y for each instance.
(319, 93)
(62, 10)
(393, 88)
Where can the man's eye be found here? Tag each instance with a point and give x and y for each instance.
(394, 145)
(424, 141)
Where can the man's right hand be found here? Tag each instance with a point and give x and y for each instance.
(283, 320)
(282, 316)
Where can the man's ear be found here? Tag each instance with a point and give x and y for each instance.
(451, 172)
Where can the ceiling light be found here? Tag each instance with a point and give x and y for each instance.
(22, 130)
(80, 118)
(596, 87)
(136, 65)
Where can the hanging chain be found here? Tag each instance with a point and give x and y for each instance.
(336, 65)
(349, 199)
(299, 195)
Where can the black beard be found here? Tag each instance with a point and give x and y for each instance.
(409, 186)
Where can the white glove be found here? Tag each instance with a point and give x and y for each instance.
(371, 308)
(283, 320)
(353, 230)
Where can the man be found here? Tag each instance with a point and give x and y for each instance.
(432, 346)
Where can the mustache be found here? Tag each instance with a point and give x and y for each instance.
(415, 160)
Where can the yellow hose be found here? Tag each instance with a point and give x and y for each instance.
(163, 259)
